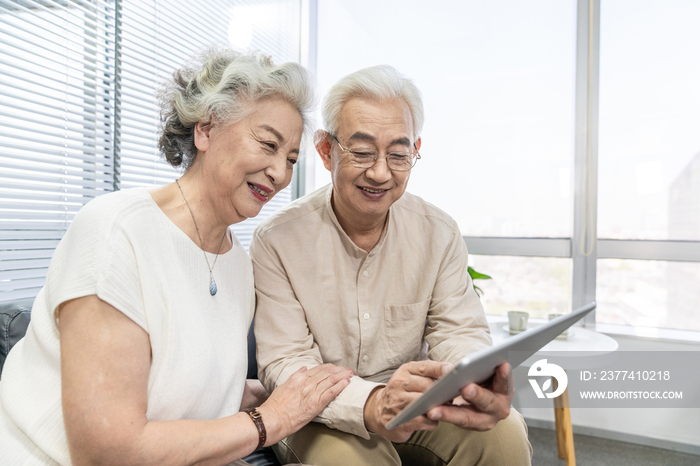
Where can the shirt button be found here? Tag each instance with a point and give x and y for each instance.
(366, 316)
(365, 358)
(365, 273)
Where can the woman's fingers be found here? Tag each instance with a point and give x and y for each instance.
(334, 390)
(328, 382)
(322, 377)
(310, 384)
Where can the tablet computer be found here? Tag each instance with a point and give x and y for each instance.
(479, 367)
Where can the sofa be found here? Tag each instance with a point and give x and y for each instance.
(14, 319)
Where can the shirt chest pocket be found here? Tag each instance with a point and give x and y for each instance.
(405, 326)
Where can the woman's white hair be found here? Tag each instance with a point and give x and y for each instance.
(382, 83)
(222, 83)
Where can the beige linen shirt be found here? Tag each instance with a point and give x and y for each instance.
(322, 299)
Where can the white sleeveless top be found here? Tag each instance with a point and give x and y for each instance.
(124, 249)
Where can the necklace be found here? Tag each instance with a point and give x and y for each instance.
(212, 283)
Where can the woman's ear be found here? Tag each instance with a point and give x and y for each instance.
(201, 136)
(323, 147)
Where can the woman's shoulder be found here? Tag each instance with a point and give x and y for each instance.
(97, 222)
(122, 199)
(113, 208)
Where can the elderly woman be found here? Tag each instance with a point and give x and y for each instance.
(136, 352)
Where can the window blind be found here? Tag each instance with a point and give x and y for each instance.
(56, 128)
(77, 106)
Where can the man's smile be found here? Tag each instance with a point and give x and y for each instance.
(373, 190)
(373, 193)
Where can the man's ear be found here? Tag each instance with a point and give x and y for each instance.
(322, 141)
(418, 141)
(201, 136)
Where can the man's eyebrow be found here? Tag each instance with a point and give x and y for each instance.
(400, 141)
(279, 137)
(360, 136)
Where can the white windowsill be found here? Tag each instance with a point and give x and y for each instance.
(647, 333)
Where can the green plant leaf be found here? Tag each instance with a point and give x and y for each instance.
(477, 275)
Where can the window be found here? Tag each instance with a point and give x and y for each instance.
(77, 112)
(498, 82)
(649, 165)
(561, 135)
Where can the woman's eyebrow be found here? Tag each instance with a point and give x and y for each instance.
(278, 135)
(272, 130)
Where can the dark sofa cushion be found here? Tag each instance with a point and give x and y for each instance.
(14, 319)
(262, 457)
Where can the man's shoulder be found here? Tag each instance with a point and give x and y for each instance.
(303, 211)
(418, 210)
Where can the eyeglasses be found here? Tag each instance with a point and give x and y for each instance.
(363, 157)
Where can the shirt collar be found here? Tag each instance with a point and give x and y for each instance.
(382, 239)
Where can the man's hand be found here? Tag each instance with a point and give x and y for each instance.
(479, 408)
(407, 383)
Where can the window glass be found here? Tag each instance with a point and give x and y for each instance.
(538, 285)
(649, 150)
(497, 80)
(656, 294)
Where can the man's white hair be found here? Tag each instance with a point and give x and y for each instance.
(382, 83)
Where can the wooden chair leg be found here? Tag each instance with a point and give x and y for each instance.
(565, 434)
(558, 422)
(568, 431)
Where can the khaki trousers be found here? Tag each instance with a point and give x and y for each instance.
(504, 445)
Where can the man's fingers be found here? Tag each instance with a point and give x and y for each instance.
(481, 398)
(502, 380)
(430, 369)
(465, 417)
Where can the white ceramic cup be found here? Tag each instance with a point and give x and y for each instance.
(517, 320)
(563, 335)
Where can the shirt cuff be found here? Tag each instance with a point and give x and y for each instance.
(347, 411)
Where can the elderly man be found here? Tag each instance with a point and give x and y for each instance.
(364, 275)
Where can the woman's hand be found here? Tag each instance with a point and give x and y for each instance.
(296, 402)
(254, 394)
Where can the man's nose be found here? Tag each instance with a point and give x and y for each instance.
(379, 172)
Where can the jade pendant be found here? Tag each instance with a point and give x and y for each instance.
(212, 286)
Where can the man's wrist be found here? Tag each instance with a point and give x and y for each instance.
(372, 423)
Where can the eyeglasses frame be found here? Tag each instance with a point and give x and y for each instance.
(348, 150)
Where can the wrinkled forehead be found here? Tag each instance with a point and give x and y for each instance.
(368, 121)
